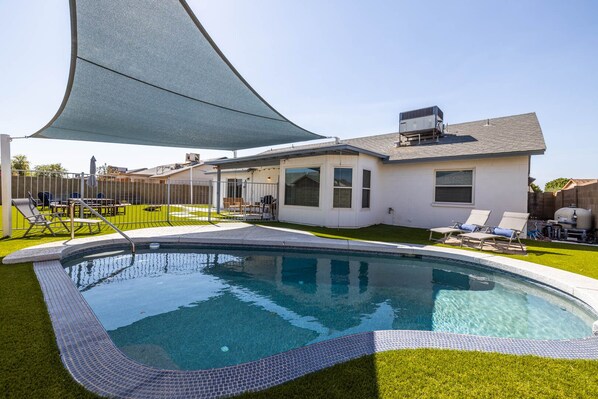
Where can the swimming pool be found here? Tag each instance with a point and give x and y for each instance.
(212, 308)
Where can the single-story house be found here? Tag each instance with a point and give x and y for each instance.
(572, 183)
(386, 179)
(175, 172)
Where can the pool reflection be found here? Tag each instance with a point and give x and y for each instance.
(203, 310)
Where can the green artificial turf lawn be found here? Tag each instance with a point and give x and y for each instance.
(30, 365)
(434, 373)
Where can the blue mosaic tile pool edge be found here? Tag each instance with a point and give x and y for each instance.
(93, 360)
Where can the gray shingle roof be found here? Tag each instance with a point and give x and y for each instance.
(505, 135)
(508, 135)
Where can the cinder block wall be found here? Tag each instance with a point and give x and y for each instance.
(587, 197)
(543, 205)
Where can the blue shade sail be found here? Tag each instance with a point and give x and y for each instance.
(146, 72)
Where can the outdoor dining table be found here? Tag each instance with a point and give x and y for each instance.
(104, 206)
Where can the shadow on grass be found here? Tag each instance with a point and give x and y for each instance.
(355, 379)
(537, 252)
(563, 245)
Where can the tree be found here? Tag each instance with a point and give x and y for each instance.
(50, 169)
(20, 164)
(556, 184)
(535, 188)
(113, 170)
(106, 171)
(102, 170)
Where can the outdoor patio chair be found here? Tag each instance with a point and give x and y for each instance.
(44, 199)
(232, 204)
(476, 220)
(26, 207)
(510, 228)
(268, 207)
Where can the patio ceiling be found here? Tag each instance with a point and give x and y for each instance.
(148, 73)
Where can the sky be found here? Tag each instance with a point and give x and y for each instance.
(345, 68)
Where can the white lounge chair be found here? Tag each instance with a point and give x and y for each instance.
(509, 228)
(477, 218)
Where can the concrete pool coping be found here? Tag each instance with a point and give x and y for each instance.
(89, 354)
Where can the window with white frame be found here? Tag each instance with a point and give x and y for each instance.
(302, 186)
(366, 188)
(454, 186)
(343, 187)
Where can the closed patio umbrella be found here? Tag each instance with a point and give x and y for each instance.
(92, 181)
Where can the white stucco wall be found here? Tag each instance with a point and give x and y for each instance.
(325, 214)
(500, 184)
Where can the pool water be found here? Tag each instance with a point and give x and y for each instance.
(214, 308)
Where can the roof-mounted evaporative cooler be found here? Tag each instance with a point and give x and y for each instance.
(420, 125)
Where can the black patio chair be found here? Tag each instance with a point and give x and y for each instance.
(44, 199)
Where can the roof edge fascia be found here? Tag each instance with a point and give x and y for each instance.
(466, 157)
(298, 152)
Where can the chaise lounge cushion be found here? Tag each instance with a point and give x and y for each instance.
(468, 227)
(503, 232)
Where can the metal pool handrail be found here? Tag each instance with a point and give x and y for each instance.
(96, 213)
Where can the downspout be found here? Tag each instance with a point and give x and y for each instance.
(529, 169)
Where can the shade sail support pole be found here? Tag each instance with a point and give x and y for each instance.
(6, 185)
(81, 192)
(168, 200)
(191, 185)
(218, 188)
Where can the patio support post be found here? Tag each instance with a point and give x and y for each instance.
(168, 200)
(191, 185)
(72, 216)
(210, 201)
(218, 188)
(6, 185)
(81, 190)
